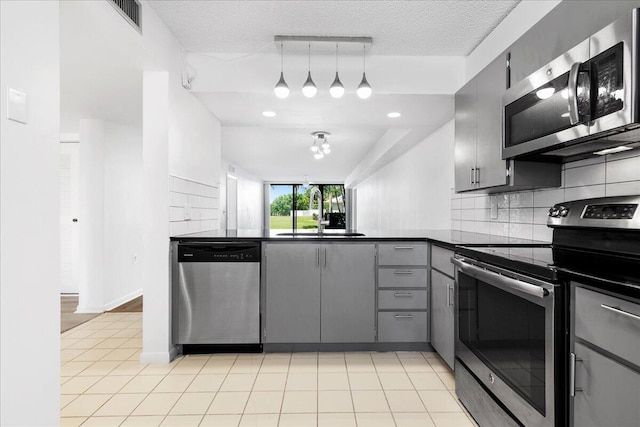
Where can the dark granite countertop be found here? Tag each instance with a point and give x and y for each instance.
(446, 238)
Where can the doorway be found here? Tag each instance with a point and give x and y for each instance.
(69, 205)
(232, 202)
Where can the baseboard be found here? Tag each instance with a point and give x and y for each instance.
(89, 309)
(160, 356)
(118, 302)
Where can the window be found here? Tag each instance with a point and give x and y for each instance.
(298, 206)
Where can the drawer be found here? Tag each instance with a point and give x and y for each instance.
(403, 326)
(441, 259)
(403, 253)
(399, 300)
(402, 277)
(609, 323)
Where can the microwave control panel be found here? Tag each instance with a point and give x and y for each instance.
(610, 211)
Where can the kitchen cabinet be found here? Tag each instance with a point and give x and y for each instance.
(403, 292)
(347, 312)
(604, 374)
(478, 139)
(319, 293)
(564, 27)
(442, 304)
(292, 293)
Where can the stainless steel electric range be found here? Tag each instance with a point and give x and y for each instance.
(516, 317)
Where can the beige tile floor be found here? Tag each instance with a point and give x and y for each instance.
(104, 384)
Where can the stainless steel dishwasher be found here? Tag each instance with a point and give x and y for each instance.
(217, 291)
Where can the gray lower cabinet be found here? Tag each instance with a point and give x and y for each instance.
(605, 341)
(442, 316)
(292, 293)
(347, 309)
(402, 326)
(608, 392)
(319, 293)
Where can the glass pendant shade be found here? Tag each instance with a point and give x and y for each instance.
(337, 89)
(314, 148)
(309, 88)
(325, 145)
(319, 155)
(282, 88)
(364, 89)
(326, 150)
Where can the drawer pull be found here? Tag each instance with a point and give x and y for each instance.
(403, 294)
(403, 272)
(618, 310)
(403, 316)
(403, 247)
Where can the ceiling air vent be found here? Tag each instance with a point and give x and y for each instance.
(130, 10)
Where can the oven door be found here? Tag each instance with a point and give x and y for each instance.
(505, 337)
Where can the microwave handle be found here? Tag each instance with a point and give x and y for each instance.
(574, 115)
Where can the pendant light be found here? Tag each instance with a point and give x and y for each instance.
(364, 89)
(309, 88)
(337, 89)
(282, 88)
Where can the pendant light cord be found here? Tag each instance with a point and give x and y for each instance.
(281, 57)
(336, 57)
(364, 57)
(309, 56)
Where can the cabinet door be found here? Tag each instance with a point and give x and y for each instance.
(442, 326)
(292, 293)
(348, 293)
(492, 82)
(465, 137)
(564, 27)
(608, 394)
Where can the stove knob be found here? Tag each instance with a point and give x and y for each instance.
(553, 212)
(564, 211)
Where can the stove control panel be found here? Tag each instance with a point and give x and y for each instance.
(610, 211)
(616, 212)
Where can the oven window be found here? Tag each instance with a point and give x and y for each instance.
(507, 333)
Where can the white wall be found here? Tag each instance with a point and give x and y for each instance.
(412, 192)
(29, 216)
(250, 197)
(123, 214)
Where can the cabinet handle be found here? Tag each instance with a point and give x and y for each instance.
(403, 247)
(477, 175)
(572, 375)
(403, 272)
(618, 310)
(449, 295)
(317, 257)
(473, 176)
(403, 294)
(325, 257)
(403, 316)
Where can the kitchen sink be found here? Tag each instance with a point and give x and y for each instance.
(316, 234)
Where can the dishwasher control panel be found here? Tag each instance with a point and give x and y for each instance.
(219, 252)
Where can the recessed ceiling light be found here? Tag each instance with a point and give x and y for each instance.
(269, 113)
(394, 115)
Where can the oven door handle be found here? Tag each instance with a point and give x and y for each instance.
(508, 282)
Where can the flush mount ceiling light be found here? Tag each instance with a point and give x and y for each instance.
(309, 88)
(394, 115)
(269, 113)
(337, 89)
(320, 145)
(364, 89)
(282, 88)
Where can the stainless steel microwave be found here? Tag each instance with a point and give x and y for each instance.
(581, 103)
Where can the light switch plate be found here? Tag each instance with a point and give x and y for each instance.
(16, 106)
(187, 213)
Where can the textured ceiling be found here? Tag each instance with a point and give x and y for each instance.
(430, 28)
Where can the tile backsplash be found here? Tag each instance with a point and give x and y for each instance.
(524, 214)
(193, 206)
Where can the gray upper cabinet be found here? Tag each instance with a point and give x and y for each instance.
(478, 127)
(348, 293)
(292, 293)
(465, 136)
(564, 27)
(491, 169)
